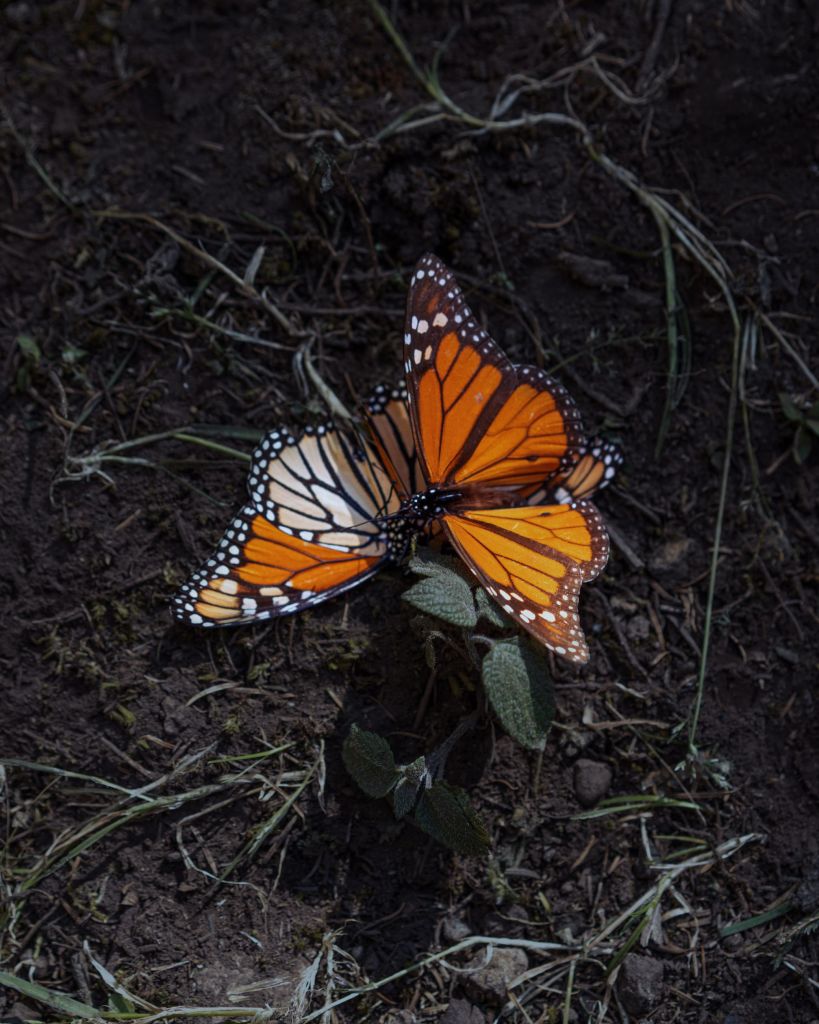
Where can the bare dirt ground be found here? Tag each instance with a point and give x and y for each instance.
(148, 151)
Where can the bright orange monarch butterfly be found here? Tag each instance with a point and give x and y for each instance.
(492, 451)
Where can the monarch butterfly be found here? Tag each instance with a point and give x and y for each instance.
(491, 452)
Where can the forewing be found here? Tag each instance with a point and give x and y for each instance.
(532, 561)
(324, 486)
(259, 571)
(477, 418)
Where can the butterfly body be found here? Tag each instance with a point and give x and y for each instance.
(429, 505)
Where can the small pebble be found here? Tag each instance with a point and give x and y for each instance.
(20, 14)
(671, 557)
(592, 780)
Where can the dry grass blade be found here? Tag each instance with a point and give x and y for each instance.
(83, 467)
(263, 831)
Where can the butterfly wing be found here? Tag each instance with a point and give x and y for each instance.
(595, 465)
(259, 572)
(391, 430)
(477, 419)
(311, 529)
(587, 469)
(324, 486)
(532, 561)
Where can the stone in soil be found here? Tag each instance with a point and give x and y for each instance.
(591, 781)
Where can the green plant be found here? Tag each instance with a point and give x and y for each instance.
(440, 809)
(516, 682)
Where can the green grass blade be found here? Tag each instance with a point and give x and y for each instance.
(756, 921)
(56, 1000)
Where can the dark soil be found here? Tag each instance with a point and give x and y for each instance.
(244, 125)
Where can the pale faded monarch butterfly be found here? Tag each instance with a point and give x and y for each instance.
(491, 452)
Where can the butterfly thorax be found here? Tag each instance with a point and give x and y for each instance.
(428, 505)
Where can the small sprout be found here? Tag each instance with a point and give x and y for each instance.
(30, 356)
(124, 716)
(232, 725)
(71, 355)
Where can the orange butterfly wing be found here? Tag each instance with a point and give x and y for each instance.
(259, 572)
(593, 469)
(477, 419)
(532, 561)
(496, 434)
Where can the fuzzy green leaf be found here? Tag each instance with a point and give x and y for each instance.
(403, 798)
(56, 1000)
(520, 690)
(444, 812)
(368, 758)
(446, 595)
(489, 610)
